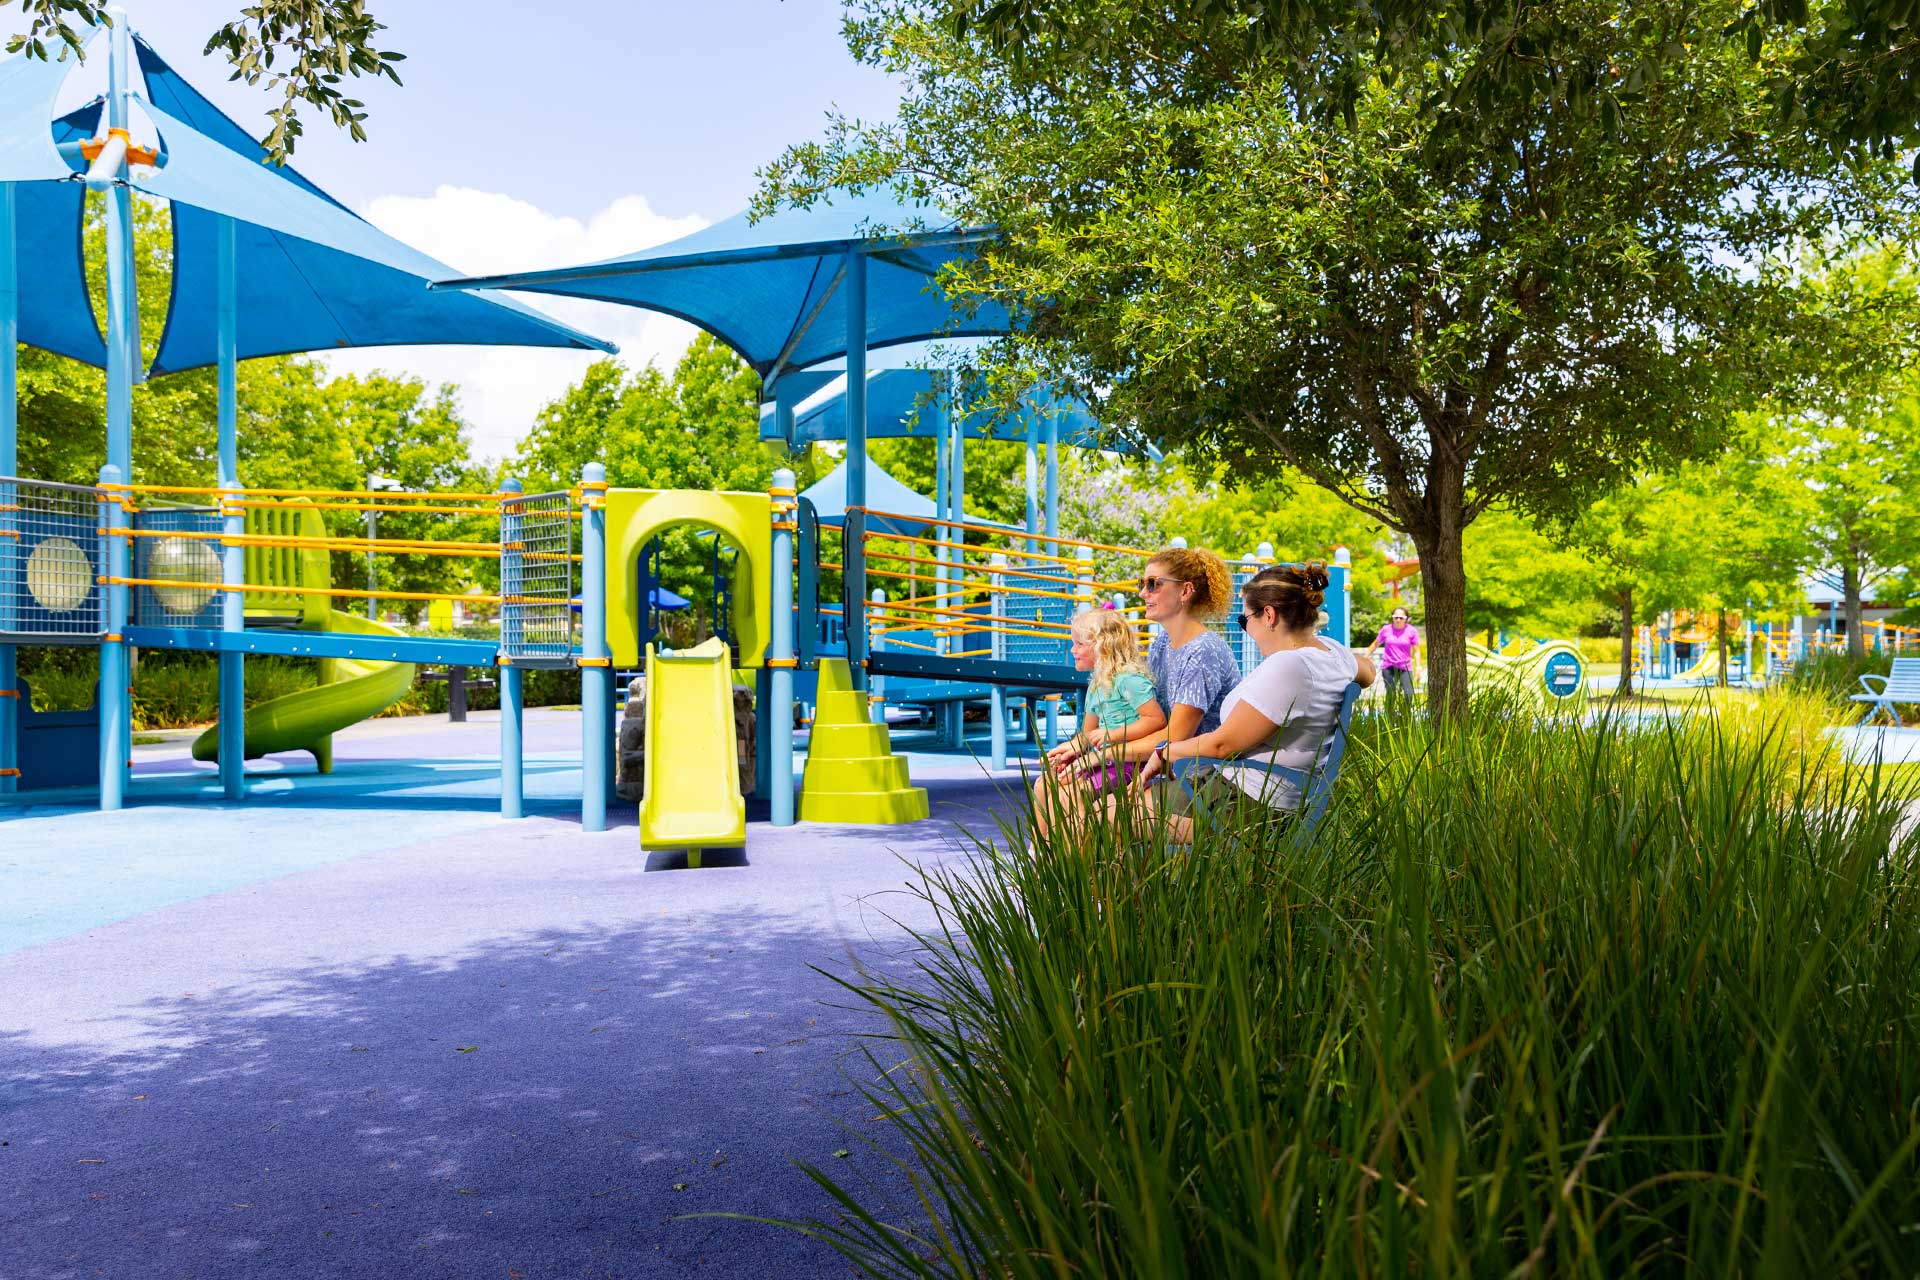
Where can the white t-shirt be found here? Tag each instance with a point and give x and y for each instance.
(1300, 690)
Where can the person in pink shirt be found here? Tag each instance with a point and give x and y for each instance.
(1397, 643)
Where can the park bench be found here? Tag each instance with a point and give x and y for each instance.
(1314, 785)
(1902, 684)
(458, 683)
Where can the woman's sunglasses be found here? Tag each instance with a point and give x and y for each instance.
(1243, 620)
(1153, 583)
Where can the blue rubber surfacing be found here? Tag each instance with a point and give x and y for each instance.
(382, 1032)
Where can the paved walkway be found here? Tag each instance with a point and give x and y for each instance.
(360, 1026)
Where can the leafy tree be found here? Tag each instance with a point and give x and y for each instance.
(1861, 499)
(1636, 540)
(1515, 300)
(1848, 79)
(301, 48)
(1519, 580)
(1749, 539)
(1852, 435)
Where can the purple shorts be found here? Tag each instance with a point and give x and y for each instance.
(1111, 777)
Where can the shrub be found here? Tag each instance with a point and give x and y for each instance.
(1573, 999)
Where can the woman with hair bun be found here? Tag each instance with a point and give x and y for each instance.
(1191, 666)
(1282, 715)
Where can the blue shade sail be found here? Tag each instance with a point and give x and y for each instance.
(56, 311)
(311, 275)
(28, 88)
(173, 95)
(884, 493)
(771, 289)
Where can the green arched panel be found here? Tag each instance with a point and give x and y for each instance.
(634, 516)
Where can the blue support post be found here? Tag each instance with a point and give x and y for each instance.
(233, 619)
(1033, 484)
(123, 355)
(1053, 485)
(122, 314)
(116, 736)
(957, 505)
(997, 695)
(877, 699)
(233, 557)
(9, 464)
(853, 554)
(776, 727)
(596, 661)
(512, 696)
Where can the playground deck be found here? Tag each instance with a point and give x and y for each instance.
(360, 1025)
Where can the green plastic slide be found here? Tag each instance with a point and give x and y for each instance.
(351, 690)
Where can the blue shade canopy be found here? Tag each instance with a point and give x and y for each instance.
(771, 289)
(884, 493)
(56, 312)
(899, 405)
(310, 275)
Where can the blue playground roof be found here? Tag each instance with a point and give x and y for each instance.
(311, 275)
(771, 289)
(894, 401)
(884, 493)
(56, 312)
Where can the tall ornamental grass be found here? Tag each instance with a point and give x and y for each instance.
(1552, 1000)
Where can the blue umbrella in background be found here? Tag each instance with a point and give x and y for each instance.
(661, 599)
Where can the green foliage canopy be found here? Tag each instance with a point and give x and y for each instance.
(1519, 300)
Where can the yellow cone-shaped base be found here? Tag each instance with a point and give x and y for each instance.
(852, 775)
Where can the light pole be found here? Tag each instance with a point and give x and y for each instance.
(375, 483)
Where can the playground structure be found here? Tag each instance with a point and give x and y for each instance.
(1683, 649)
(934, 610)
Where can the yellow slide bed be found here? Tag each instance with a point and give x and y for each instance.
(692, 799)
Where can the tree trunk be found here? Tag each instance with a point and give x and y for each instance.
(1720, 635)
(1443, 583)
(1850, 588)
(1626, 645)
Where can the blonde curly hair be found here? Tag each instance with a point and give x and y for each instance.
(1207, 572)
(1115, 644)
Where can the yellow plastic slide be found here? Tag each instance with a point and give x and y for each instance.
(693, 798)
(351, 690)
(1706, 670)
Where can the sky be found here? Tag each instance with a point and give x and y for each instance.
(533, 135)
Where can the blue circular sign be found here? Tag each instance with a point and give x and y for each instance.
(1562, 675)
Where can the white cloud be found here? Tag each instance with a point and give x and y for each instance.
(483, 233)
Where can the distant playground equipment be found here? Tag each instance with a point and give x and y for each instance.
(1550, 673)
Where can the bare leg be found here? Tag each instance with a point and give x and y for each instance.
(1145, 808)
(1056, 802)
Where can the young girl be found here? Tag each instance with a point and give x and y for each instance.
(1120, 706)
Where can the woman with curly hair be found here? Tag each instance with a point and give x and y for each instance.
(1274, 724)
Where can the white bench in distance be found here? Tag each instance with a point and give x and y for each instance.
(1902, 684)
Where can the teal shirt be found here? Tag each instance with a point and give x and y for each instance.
(1118, 705)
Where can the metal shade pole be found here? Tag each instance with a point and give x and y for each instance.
(596, 661)
(853, 554)
(233, 567)
(776, 727)
(9, 465)
(512, 699)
